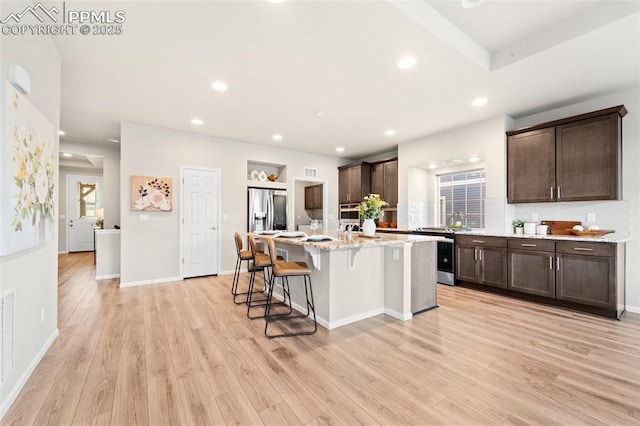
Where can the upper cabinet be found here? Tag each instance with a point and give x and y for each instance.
(354, 182)
(384, 181)
(313, 197)
(574, 159)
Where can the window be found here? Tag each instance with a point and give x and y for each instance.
(462, 192)
(87, 204)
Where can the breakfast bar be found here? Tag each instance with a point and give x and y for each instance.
(356, 277)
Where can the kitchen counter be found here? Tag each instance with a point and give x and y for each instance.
(610, 238)
(359, 278)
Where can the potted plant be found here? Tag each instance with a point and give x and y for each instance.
(518, 225)
(371, 209)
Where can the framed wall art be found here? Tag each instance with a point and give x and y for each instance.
(153, 194)
(27, 174)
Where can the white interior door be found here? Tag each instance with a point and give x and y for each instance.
(200, 209)
(84, 197)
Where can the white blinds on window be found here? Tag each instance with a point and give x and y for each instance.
(465, 192)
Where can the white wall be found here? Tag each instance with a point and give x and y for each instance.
(32, 273)
(618, 215)
(485, 139)
(150, 250)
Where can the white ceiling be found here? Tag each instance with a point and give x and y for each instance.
(283, 62)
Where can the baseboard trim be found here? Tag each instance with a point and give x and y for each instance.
(398, 315)
(13, 394)
(147, 282)
(63, 252)
(355, 318)
(233, 272)
(634, 309)
(107, 277)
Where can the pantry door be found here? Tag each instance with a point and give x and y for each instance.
(200, 236)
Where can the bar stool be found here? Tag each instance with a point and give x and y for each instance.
(284, 270)
(243, 255)
(262, 261)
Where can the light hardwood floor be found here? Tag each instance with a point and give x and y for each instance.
(183, 353)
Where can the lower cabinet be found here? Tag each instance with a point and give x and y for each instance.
(532, 267)
(482, 260)
(586, 274)
(577, 274)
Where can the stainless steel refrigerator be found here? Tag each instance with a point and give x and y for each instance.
(267, 209)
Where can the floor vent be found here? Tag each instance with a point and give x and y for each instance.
(310, 172)
(7, 336)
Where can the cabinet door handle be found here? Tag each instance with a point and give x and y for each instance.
(550, 262)
(528, 245)
(557, 263)
(551, 189)
(582, 249)
(478, 241)
(479, 254)
(558, 192)
(475, 253)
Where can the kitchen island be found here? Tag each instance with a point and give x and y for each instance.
(358, 277)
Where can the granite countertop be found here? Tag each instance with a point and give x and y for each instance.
(340, 242)
(609, 238)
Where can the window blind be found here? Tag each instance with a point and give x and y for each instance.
(465, 192)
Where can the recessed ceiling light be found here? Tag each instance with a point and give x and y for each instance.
(113, 140)
(277, 137)
(340, 149)
(432, 166)
(474, 159)
(478, 102)
(66, 154)
(197, 121)
(61, 132)
(219, 86)
(319, 113)
(468, 4)
(389, 132)
(407, 62)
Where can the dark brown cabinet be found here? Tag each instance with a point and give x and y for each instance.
(354, 182)
(384, 181)
(574, 159)
(482, 260)
(313, 197)
(532, 266)
(586, 274)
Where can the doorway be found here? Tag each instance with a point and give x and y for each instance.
(303, 213)
(200, 230)
(84, 201)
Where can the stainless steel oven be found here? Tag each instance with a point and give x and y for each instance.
(445, 253)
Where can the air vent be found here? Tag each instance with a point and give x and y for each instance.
(310, 172)
(7, 336)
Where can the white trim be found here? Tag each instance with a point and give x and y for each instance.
(13, 394)
(355, 318)
(63, 252)
(146, 282)
(218, 225)
(398, 315)
(634, 309)
(107, 277)
(232, 272)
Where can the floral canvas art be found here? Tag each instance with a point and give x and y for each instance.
(153, 194)
(27, 174)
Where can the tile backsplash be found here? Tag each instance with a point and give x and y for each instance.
(608, 214)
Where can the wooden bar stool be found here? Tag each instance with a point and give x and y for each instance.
(261, 261)
(246, 256)
(284, 270)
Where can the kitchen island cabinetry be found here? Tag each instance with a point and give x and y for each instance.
(573, 159)
(384, 181)
(532, 267)
(482, 260)
(354, 182)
